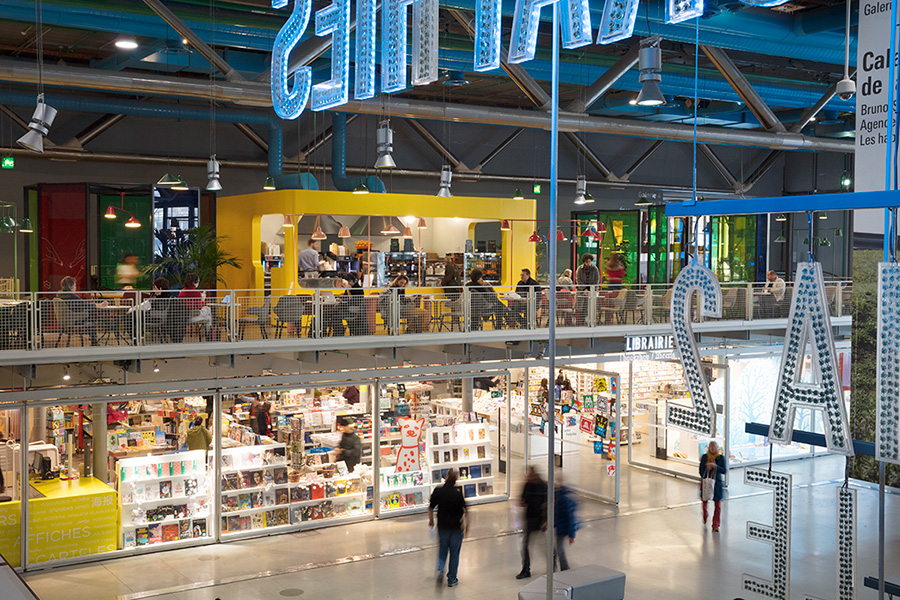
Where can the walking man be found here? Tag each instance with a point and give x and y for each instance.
(534, 499)
(564, 521)
(452, 525)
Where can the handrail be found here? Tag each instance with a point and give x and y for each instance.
(42, 320)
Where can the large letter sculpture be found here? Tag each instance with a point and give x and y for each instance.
(289, 103)
(701, 417)
(487, 35)
(887, 388)
(334, 20)
(393, 43)
(575, 24)
(778, 534)
(809, 322)
(364, 77)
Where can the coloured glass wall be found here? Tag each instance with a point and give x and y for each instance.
(656, 245)
(733, 248)
(116, 240)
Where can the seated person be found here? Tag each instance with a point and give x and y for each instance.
(334, 310)
(355, 306)
(520, 305)
(416, 318)
(195, 301)
(485, 303)
(82, 313)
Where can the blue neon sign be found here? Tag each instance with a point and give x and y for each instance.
(289, 97)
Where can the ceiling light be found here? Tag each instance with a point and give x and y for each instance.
(180, 185)
(4, 226)
(132, 223)
(588, 199)
(846, 181)
(504, 226)
(384, 138)
(823, 215)
(41, 120)
(155, 367)
(110, 212)
(560, 236)
(66, 375)
(446, 176)
(642, 200)
(388, 227)
(212, 174)
(838, 233)
(422, 223)
(824, 242)
(269, 184)
(287, 221)
(456, 79)
(126, 43)
(534, 237)
(589, 233)
(25, 226)
(407, 232)
(167, 180)
(344, 232)
(781, 218)
(361, 188)
(319, 234)
(780, 239)
(518, 195)
(581, 195)
(650, 64)
(633, 101)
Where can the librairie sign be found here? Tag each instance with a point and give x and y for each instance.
(292, 90)
(646, 343)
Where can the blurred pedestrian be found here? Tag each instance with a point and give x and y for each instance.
(564, 521)
(452, 525)
(534, 499)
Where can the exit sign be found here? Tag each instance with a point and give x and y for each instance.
(8, 162)
(536, 188)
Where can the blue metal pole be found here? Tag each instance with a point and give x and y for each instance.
(551, 304)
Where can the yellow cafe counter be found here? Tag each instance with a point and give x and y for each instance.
(70, 519)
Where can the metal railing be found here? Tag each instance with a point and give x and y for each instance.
(45, 320)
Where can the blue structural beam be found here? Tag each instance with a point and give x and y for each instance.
(784, 204)
(813, 439)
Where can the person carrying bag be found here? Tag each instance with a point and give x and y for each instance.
(712, 467)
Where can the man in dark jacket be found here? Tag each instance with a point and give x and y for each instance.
(534, 499)
(350, 446)
(586, 276)
(451, 525)
(564, 521)
(523, 288)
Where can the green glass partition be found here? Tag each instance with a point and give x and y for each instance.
(733, 248)
(656, 246)
(116, 240)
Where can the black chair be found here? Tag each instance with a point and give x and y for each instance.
(290, 310)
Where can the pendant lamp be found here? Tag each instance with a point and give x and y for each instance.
(384, 138)
(422, 223)
(504, 226)
(446, 176)
(287, 221)
(407, 232)
(270, 183)
(318, 235)
(25, 226)
(180, 185)
(560, 236)
(518, 195)
(361, 188)
(167, 180)
(110, 212)
(534, 237)
(132, 223)
(344, 232)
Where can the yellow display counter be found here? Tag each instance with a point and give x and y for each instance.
(73, 518)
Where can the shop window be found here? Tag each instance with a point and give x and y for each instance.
(10, 486)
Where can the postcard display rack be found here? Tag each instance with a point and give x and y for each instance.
(260, 492)
(164, 499)
(465, 447)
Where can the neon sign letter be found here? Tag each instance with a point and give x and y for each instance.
(809, 321)
(393, 43)
(335, 20)
(778, 534)
(701, 418)
(364, 82)
(289, 103)
(576, 26)
(487, 35)
(887, 387)
(425, 41)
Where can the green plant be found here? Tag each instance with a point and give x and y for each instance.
(198, 251)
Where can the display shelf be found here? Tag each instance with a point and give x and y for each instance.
(250, 511)
(470, 480)
(405, 489)
(259, 488)
(165, 500)
(341, 498)
(225, 470)
(166, 521)
(462, 463)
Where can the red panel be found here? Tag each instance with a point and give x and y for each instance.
(63, 228)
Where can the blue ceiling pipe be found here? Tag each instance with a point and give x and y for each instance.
(339, 159)
(754, 30)
(168, 111)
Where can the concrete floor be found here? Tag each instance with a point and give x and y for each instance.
(655, 536)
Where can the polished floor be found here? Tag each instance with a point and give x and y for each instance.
(655, 536)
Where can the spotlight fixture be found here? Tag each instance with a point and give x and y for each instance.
(446, 176)
(504, 226)
(650, 65)
(269, 184)
(110, 212)
(132, 223)
(781, 218)
(180, 185)
(560, 236)
(41, 120)
(344, 232)
(581, 194)
(361, 188)
(534, 238)
(384, 138)
(422, 223)
(167, 180)
(25, 226)
(287, 221)
(212, 174)
(66, 375)
(126, 43)
(518, 195)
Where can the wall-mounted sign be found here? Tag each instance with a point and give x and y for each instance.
(290, 96)
(644, 343)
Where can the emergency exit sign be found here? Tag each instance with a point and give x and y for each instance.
(8, 162)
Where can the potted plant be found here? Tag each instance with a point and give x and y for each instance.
(197, 251)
